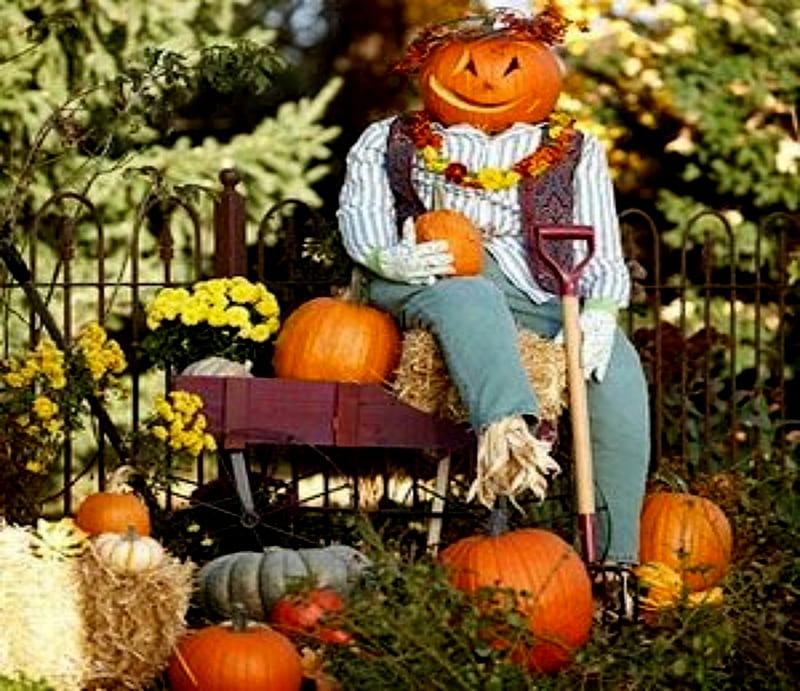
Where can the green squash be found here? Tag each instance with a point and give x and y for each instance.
(259, 579)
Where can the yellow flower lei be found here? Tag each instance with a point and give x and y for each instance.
(429, 143)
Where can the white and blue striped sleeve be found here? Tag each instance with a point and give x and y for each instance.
(366, 214)
(606, 275)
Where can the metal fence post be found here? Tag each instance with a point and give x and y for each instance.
(230, 249)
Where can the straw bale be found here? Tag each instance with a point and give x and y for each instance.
(41, 628)
(132, 620)
(422, 379)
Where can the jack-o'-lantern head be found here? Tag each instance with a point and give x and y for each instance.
(491, 83)
(489, 71)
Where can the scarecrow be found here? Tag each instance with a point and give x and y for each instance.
(489, 144)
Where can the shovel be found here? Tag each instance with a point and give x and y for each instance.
(567, 278)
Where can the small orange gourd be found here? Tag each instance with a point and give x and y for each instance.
(337, 339)
(463, 238)
(688, 533)
(552, 581)
(113, 512)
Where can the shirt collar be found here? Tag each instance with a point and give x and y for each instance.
(475, 133)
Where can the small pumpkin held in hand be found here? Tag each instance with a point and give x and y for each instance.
(463, 238)
(688, 533)
(129, 552)
(240, 656)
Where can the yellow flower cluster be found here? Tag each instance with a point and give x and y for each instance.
(45, 360)
(493, 178)
(103, 354)
(45, 367)
(221, 302)
(46, 387)
(179, 423)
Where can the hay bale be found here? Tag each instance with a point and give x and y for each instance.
(422, 379)
(41, 629)
(132, 620)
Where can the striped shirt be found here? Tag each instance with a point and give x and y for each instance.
(366, 205)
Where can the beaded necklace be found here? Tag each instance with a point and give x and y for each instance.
(560, 132)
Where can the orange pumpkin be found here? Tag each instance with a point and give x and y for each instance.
(688, 533)
(491, 83)
(463, 238)
(113, 512)
(235, 657)
(551, 580)
(336, 339)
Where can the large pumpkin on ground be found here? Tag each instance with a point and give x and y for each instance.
(550, 578)
(463, 238)
(688, 533)
(235, 657)
(258, 580)
(491, 83)
(336, 339)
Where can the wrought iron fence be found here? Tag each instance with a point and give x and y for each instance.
(711, 321)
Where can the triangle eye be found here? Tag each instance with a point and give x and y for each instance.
(470, 67)
(513, 65)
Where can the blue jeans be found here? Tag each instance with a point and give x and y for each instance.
(476, 321)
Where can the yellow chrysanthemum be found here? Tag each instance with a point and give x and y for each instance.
(193, 313)
(244, 293)
(15, 380)
(44, 408)
(58, 382)
(497, 178)
(267, 306)
(238, 316)
(217, 317)
(36, 467)
(163, 408)
(186, 402)
(260, 333)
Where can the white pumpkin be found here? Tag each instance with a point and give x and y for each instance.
(218, 367)
(127, 553)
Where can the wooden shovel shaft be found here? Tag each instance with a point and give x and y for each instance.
(567, 277)
(579, 418)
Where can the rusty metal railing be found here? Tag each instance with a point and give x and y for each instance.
(710, 317)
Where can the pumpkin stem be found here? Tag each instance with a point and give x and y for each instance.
(119, 480)
(238, 617)
(131, 534)
(356, 290)
(498, 517)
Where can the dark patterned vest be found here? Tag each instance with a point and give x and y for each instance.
(545, 200)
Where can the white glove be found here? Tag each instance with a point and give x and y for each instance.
(412, 262)
(598, 327)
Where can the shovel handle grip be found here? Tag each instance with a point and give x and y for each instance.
(567, 275)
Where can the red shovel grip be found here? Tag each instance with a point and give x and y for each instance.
(567, 275)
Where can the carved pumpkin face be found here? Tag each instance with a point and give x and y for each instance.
(491, 83)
